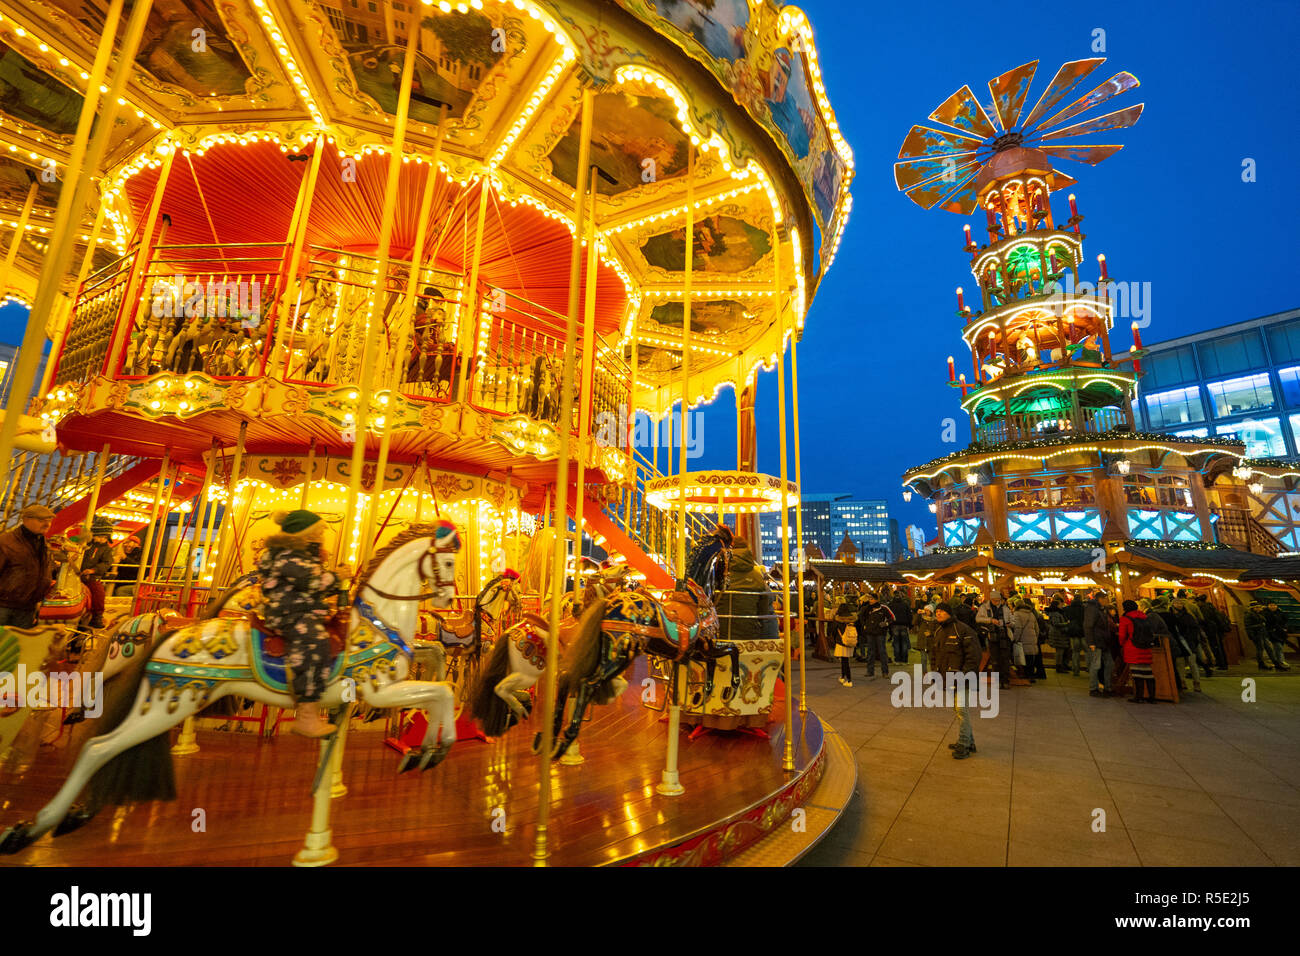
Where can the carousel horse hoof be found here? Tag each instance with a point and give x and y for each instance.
(17, 837)
(408, 761)
(435, 756)
(537, 743)
(77, 817)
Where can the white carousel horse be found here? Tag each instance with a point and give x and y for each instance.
(202, 662)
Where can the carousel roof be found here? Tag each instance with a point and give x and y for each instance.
(237, 88)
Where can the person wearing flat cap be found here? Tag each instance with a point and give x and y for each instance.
(26, 567)
(295, 589)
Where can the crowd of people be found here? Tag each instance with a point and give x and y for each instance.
(1012, 634)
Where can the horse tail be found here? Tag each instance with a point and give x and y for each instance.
(143, 772)
(583, 659)
(484, 705)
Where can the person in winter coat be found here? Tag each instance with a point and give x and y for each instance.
(1096, 634)
(874, 620)
(97, 564)
(1137, 658)
(963, 609)
(898, 631)
(1257, 631)
(1058, 635)
(1217, 627)
(1162, 633)
(1276, 630)
(846, 638)
(26, 567)
(295, 588)
(1185, 659)
(956, 650)
(923, 627)
(1189, 622)
(994, 618)
(1023, 631)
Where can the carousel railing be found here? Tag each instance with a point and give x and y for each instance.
(233, 312)
(55, 480)
(1025, 427)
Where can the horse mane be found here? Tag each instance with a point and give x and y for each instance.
(402, 537)
(584, 653)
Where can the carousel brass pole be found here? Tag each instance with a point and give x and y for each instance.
(670, 783)
(311, 470)
(68, 211)
(147, 550)
(160, 541)
(210, 527)
(93, 504)
(631, 432)
(798, 523)
(369, 356)
(228, 518)
(467, 336)
(541, 850)
(187, 586)
(587, 384)
(787, 761)
(21, 228)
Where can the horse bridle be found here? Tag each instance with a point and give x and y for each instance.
(423, 595)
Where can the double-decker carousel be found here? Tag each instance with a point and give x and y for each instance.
(421, 269)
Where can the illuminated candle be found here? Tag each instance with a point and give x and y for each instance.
(952, 370)
(1074, 209)
(961, 302)
(969, 241)
(1101, 261)
(1137, 336)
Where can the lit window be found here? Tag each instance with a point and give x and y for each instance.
(1237, 395)
(1263, 437)
(1178, 406)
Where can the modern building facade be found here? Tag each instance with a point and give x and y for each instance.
(1237, 381)
(826, 521)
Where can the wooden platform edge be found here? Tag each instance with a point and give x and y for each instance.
(785, 846)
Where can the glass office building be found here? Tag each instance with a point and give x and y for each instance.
(826, 520)
(1237, 381)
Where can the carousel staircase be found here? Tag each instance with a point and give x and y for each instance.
(57, 481)
(137, 473)
(645, 537)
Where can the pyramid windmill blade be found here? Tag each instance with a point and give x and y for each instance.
(961, 200)
(1117, 84)
(1009, 91)
(1066, 79)
(923, 141)
(1091, 155)
(962, 111)
(1117, 120)
(930, 194)
(916, 172)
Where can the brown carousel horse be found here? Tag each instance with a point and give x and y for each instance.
(679, 626)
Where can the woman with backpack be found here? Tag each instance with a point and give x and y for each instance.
(1023, 631)
(1136, 640)
(846, 639)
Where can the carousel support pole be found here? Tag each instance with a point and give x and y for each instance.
(210, 527)
(787, 760)
(798, 523)
(188, 586)
(541, 850)
(311, 470)
(153, 523)
(318, 849)
(670, 784)
(19, 230)
(83, 160)
(467, 336)
(587, 384)
(93, 505)
(631, 434)
(160, 542)
(229, 518)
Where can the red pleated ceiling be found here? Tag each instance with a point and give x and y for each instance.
(250, 191)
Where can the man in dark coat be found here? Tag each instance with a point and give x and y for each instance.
(26, 567)
(954, 649)
(1216, 626)
(874, 620)
(1101, 654)
(97, 564)
(898, 631)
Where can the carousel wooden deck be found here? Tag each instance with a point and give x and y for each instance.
(257, 806)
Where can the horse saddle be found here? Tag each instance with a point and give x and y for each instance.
(272, 644)
(567, 633)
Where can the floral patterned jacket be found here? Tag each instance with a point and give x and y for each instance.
(294, 581)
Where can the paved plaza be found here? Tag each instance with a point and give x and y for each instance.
(1211, 781)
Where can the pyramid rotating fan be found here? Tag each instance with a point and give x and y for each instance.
(938, 168)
